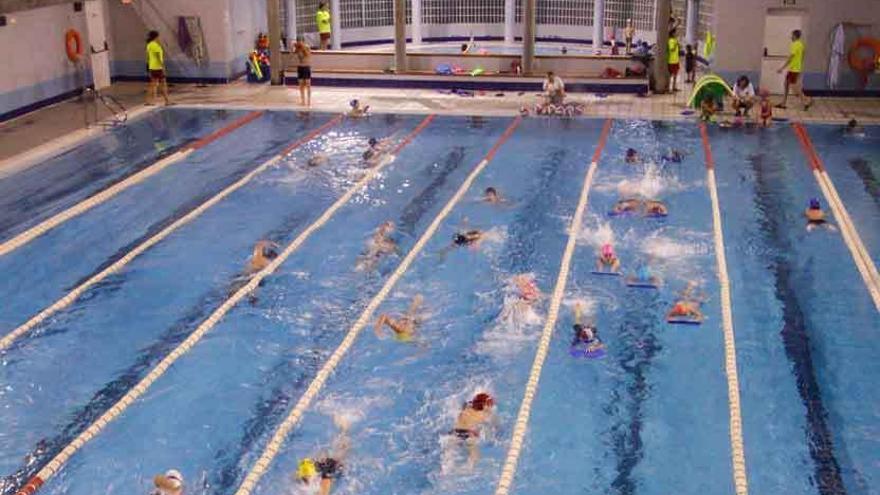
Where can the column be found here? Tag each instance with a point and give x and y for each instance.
(528, 57)
(660, 68)
(400, 36)
(273, 12)
(336, 24)
(509, 22)
(693, 21)
(291, 22)
(416, 26)
(598, 26)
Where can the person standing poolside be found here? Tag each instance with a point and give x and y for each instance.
(795, 65)
(303, 56)
(156, 66)
(322, 19)
(554, 89)
(673, 58)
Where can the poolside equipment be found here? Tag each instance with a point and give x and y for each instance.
(709, 47)
(862, 64)
(837, 48)
(684, 320)
(607, 271)
(709, 86)
(637, 283)
(73, 44)
(583, 350)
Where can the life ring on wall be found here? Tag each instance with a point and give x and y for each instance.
(859, 63)
(73, 44)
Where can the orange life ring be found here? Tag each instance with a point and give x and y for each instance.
(858, 62)
(74, 50)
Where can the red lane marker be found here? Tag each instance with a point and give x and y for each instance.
(225, 130)
(707, 150)
(602, 139)
(419, 128)
(807, 145)
(513, 125)
(31, 486)
(312, 135)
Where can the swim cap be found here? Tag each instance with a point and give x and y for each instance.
(306, 469)
(373, 142)
(680, 308)
(353, 103)
(814, 204)
(481, 401)
(630, 152)
(607, 250)
(459, 239)
(491, 190)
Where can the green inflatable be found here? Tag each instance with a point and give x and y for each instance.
(709, 86)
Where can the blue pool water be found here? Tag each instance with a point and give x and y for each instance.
(652, 415)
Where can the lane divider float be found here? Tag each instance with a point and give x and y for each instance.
(508, 471)
(864, 263)
(55, 465)
(89, 203)
(738, 456)
(79, 290)
(283, 430)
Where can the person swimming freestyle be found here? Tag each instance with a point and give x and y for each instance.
(404, 327)
(473, 418)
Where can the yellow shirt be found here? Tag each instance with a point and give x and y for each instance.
(673, 56)
(323, 20)
(155, 56)
(797, 57)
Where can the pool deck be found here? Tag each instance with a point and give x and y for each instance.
(34, 135)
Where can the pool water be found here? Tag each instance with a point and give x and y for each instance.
(652, 416)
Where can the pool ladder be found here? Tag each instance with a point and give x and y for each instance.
(93, 100)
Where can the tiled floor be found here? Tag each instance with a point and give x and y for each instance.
(61, 125)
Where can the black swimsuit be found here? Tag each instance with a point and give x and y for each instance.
(329, 468)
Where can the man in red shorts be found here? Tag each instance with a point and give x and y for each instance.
(795, 65)
(673, 57)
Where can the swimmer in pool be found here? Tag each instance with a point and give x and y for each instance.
(526, 289)
(607, 260)
(632, 156)
(379, 245)
(358, 110)
(467, 238)
(654, 208)
(263, 254)
(318, 160)
(404, 326)
(853, 128)
(324, 469)
(491, 196)
(474, 416)
(585, 334)
(643, 275)
(673, 156)
(816, 217)
(688, 305)
(170, 483)
(376, 151)
(631, 205)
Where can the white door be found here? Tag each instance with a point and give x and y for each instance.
(99, 55)
(778, 26)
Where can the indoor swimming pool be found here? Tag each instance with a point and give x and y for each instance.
(493, 48)
(135, 339)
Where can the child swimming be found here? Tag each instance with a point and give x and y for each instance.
(404, 327)
(607, 260)
(324, 469)
(687, 306)
(816, 217)
(472, 419)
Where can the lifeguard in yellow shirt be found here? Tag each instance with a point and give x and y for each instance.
(795, 65)
(156, 67)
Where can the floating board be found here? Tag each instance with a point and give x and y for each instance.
(779, 119)
(582, 351)
(684, 320)
(607, 273)
(641, 284)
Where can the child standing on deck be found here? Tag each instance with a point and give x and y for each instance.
(690, 64)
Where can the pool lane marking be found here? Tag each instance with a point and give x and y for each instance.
(508, 472)
(78, 291)
(92, 201)
(863, 261)
(53, 466)
(738, 455)
(281, 432)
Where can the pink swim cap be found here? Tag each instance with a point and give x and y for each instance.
(607, 250)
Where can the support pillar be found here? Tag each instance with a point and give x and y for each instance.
(509, 22)
(660, 67)
(336, 25)
(598, 26)
(529, 15)
(291, 22)
(693, 21)
(416, 26)
(273, 12)
(400, 36)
